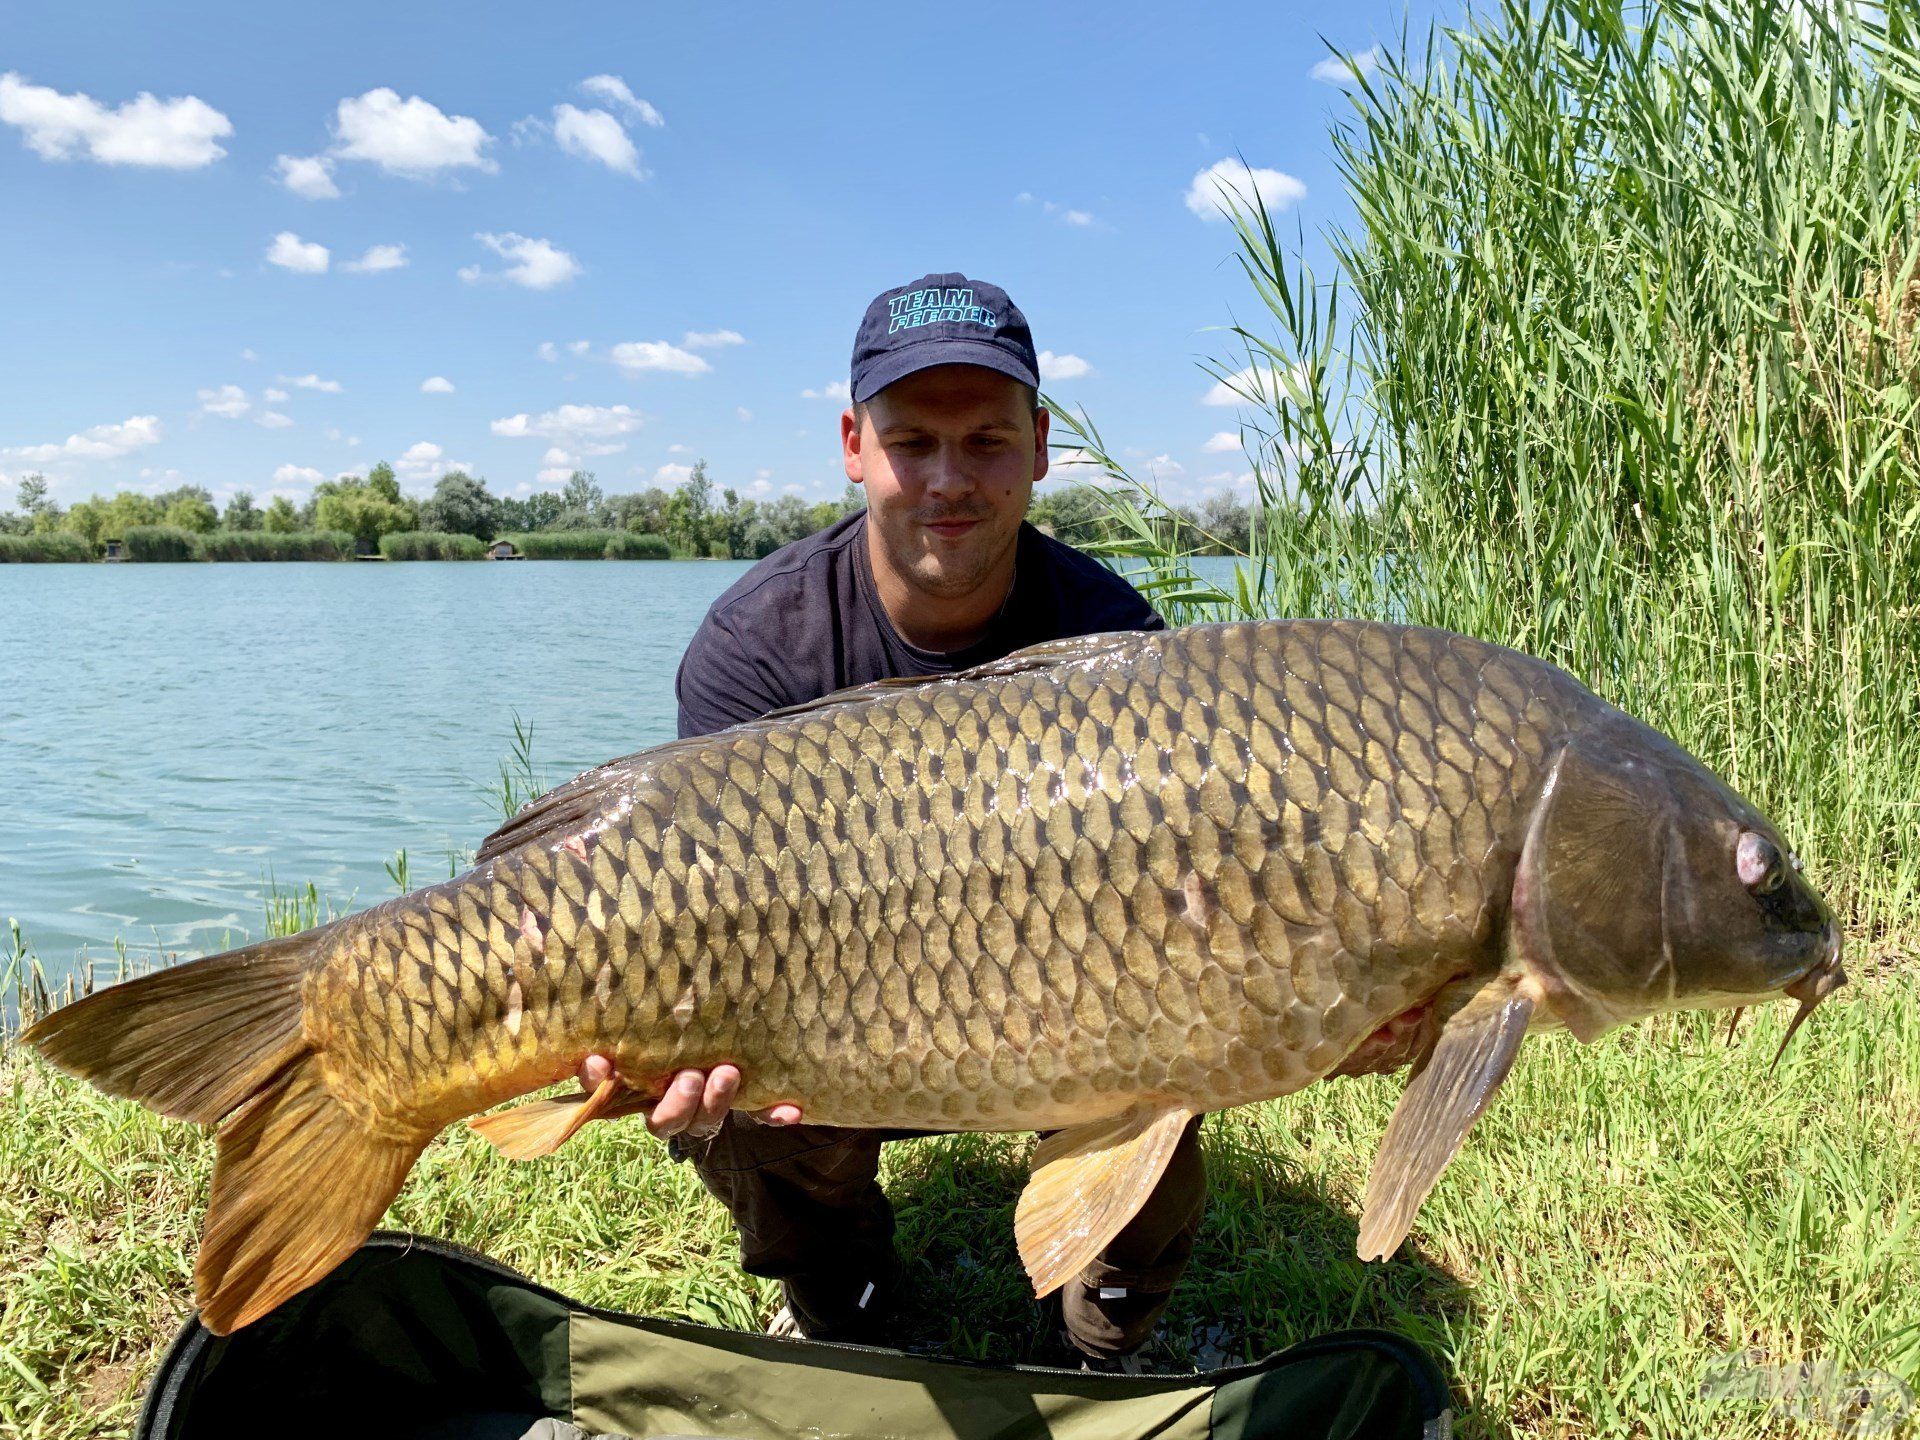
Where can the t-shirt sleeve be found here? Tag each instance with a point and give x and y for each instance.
(720, 683)
(1139, 615)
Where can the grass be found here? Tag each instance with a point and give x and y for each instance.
(1624, 1218)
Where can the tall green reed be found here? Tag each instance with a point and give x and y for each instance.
(1620, 365)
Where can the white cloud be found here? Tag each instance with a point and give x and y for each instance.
(672, 474)
(556, 456)
(548, 353)
(1166, 465)
(1221, 442)
(303, 257)
(247, 354)
(272, 396)
(1233, 182)
(638, 356)
(741, 413)
(1065, 214)
(596, 135)
(411, 137)
(424, 460)
(536, 264)
(229, 402)
(378, 258)
(613, 89)
(274, 420)
(579, 347)
(1257, 384)
(572, 424)
(554, 475)
(1062, 367)
(1343, 70)
(1075, 458)
(712, 339)
(838, 390)
(102, 442)
(310, 177)
(311, 382)
(291, 474)
(436, 385)
(177, 134)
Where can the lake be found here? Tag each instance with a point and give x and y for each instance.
(174, 738)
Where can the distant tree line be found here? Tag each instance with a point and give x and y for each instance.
(695, 518)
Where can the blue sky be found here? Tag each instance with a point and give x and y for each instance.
(625, 236)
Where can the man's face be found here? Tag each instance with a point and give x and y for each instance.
(948, 456)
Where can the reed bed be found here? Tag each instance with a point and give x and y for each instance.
(430, 545)
(565, 544)
(270, 545)
(638, 546)
(59, 547)
(1618, 364)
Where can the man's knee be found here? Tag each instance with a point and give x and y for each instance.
(802, 1196)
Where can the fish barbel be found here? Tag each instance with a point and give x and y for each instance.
(1097, 887)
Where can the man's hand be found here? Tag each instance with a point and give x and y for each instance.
(695, 1102)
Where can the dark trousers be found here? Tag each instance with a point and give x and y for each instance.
(810, 1212)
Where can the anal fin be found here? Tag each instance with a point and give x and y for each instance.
(1446, 1095)
(540, 1127)
(1087, 1183)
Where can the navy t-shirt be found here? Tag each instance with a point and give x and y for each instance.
(807, 621)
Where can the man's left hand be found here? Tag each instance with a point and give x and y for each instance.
(695, 1102)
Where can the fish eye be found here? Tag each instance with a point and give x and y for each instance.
(1758, 862)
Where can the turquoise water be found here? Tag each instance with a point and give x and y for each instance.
(171, 736)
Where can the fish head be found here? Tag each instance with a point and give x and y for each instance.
(1646, 884)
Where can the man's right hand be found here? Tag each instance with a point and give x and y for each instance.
(695, 1102)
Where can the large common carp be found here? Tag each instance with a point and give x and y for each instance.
(1096, 887)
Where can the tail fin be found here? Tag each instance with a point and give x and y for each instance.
(194, 1041)
(300, 1181)
(299, 1184)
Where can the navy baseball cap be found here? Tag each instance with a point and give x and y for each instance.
(943, 319)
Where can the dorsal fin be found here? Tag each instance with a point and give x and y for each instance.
(574, 802)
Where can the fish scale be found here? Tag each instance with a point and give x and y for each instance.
(1204, 864)
(1099, 887)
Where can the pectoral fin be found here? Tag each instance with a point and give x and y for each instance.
(541, 1127)
(1087, 1183)
(1447, 1094)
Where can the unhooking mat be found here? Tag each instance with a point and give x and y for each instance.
(415, 1339)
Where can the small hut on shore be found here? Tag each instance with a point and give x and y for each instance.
(503, 550)
(115, 551)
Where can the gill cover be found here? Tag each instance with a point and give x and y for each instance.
(1590, 896)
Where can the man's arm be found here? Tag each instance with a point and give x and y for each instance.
(720, 683)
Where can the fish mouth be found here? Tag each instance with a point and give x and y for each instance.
(1814, 984)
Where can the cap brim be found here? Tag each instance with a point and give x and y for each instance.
(934, 350)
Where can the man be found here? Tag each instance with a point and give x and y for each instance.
(940, 571)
